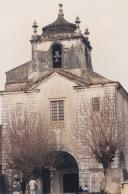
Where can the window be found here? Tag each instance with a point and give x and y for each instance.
(96, 104)
(19, 109)
(57, 110)
(57, 56)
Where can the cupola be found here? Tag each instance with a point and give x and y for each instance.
(60, 25)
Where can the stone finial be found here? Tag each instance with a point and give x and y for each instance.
(77, 21)
(60, 10)
(34, 36)
(86, 32)
(35, 26)
(60, 5)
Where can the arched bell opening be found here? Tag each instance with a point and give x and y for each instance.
(62, 174)
(57, 55)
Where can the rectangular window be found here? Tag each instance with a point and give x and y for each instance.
(57, 110)
(96, 104)
(19, 109)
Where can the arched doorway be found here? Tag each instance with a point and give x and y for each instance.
(62, 174)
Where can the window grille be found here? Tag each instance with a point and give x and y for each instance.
(19, 108)
(57, 110)
(96, 104)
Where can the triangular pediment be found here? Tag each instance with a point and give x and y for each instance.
(78, 78)
(57, 77)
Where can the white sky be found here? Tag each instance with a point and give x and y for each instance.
(106, 19)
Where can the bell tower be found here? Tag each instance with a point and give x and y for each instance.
(61, 45)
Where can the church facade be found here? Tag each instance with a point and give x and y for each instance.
(59, 81)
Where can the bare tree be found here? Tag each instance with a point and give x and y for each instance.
(102, 130)
(28, 142)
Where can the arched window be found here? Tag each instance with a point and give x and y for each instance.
(57, 56)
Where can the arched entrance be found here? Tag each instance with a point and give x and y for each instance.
(62, 174)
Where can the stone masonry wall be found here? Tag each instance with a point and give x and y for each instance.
(8, 107)
(73, 55)
(76, 101)
(90, 171)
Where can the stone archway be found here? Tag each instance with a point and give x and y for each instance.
(63, 176)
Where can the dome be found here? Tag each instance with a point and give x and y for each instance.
(60, 25)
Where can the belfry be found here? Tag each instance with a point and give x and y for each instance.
(60, 46)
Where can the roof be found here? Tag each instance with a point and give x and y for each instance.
(60, 25)
(18, 74)
(87, 78)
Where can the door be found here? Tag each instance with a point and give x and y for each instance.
(70, 183)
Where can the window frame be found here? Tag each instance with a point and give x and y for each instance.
(19, 108)
(96, 104)
(57, 110)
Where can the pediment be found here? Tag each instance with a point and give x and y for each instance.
(58, 77)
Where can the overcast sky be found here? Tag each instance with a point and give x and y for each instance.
(107, 21)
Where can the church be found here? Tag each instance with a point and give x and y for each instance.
(59, 81)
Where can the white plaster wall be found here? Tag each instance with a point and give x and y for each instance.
(45, 46)
(56, 88)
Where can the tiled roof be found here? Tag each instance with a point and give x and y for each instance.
(17, 78)
(87, 79)
(18, 74)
